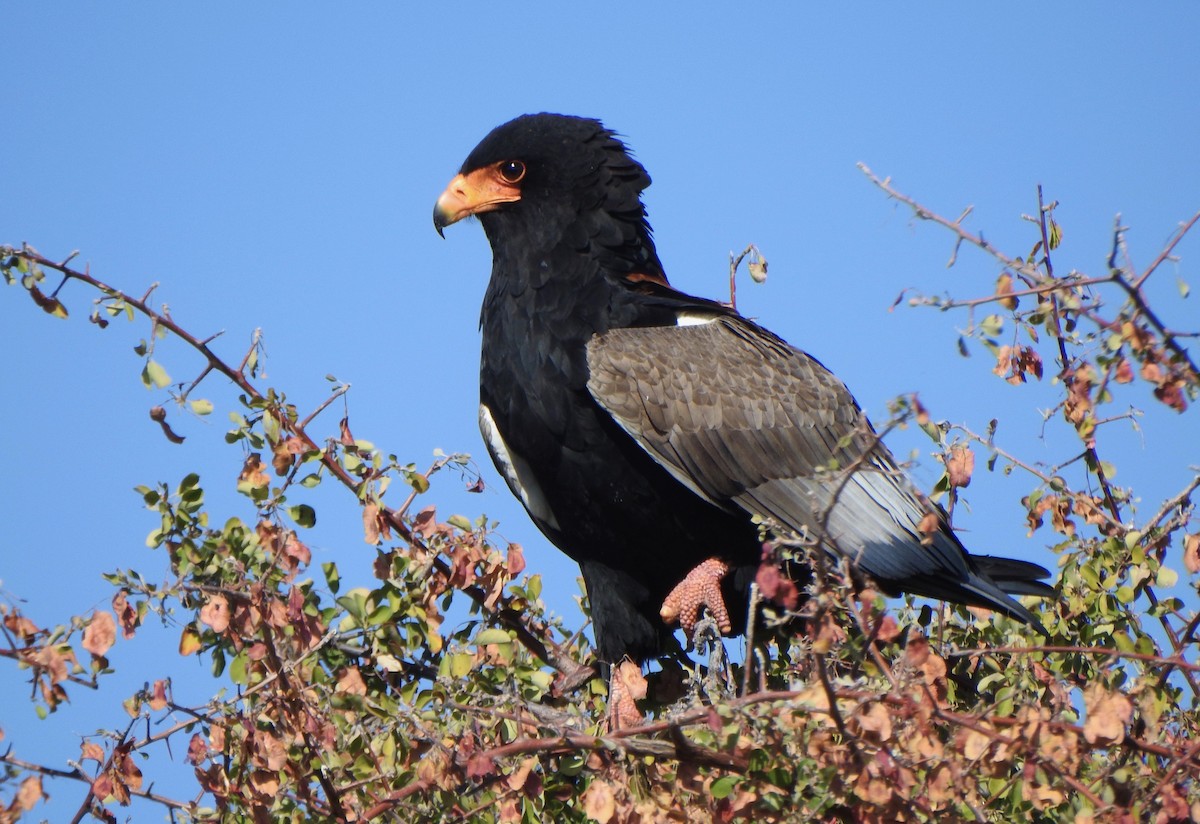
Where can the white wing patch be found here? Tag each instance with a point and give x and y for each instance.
(693, 319)
(516, 471)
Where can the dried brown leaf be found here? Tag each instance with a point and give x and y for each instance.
(350, 681)
(1191, 552)
(100, 633)
(28, 796)
(517, 778)
(599, 802)
(197, 751)
(252, 474)
(1004, 289)
(875, 723)
(270, 751)
(480, 765)
(959, 466)
(158, 695)
(370, 517)
(775, 586)
(515, 560)
(189, 640)
(939, 785)
(20, 626)
(264, 783)
(425, 522)
(127, 616)
(1124, 372)
(930, 525)
(1107, 715)
(54, 662)
(216, 613)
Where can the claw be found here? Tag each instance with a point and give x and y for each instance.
(699, 590)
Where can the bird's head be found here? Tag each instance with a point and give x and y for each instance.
(536, 176)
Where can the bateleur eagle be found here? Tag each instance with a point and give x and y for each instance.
(642, 427)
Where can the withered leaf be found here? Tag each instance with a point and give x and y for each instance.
(189, 641)
(158, 699)
(252, 475)
(197, 751)
(264, 783)
(29, 794)
(54, 662)
(876, 722)
(599, 803)
(1107, 715)
(350, 681)
(480, 765)
(216, 613)
(102, 787)
(127, 768)
(515, 560)
(270, 751)
(425, 522)
(929, 526)
(959, 466)
(100, 633)
(1191, 552)
(1124, 372)
(775, 586)
(1004, 288)
(20, 626)
(126, 614)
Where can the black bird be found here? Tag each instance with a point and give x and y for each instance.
(642, 427)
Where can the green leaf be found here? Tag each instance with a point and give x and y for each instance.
(992, 325)
(154, 375)
(459, 521)
(1184, 289)
(332, 577)
(237, 669)
(461, 663)
(201, 407)
(495, 635)
(303, 514)
(723, 786)
(1166, 578)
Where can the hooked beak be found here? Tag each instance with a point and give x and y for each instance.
(482, 190)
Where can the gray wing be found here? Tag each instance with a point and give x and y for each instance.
(748, 421)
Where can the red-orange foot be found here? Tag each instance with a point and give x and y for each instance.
(699, 590)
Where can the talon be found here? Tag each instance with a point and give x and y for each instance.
(699, 590)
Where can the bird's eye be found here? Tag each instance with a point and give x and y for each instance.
(512, 171)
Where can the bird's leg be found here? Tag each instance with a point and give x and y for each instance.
(718, 682)
(700, 589)
(626, 685)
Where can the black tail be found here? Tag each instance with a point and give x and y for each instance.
(998, 578)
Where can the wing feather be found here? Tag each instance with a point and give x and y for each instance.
(745, 419)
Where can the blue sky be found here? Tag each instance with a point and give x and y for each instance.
(274, 166)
